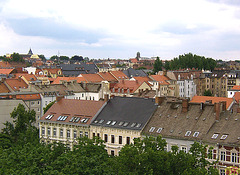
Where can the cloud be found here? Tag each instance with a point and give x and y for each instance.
(228, 2)
(50, 28)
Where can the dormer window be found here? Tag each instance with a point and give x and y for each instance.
(195, 134)
(159, 130)
(188, 133)
(214, 136)
(151, 129)
(223, 137)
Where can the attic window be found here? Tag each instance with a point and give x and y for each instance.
(133, 124)
(223, 137)
(121, 123)
(195, 134)
(125, 124)
(49, 117)
(151, 129)
(101, 121)
(188, 133)
(138, 125)
(159, 130)
(113, 123)
(214, 136)
(108, 123)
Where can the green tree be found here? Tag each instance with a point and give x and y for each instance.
(16, 57)
(64, 58)
(48, 107)
(22, 129)
(42, 57)
(157, 66)
(54, 57)
(77, 58)
(207, 93)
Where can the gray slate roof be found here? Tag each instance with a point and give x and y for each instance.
(126, 113)
(76, 69)
(134, 73)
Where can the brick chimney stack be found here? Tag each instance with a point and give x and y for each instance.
(106, 97)
(184, 105)
(217, 110)
(58, 98)
(159, 100)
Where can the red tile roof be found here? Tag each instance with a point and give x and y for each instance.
(237, 97)
(29, 97)
(92, 78)
(74, 108)
(126, 84)
(28, 77)
(3, 88)
(4, 64)
(133, 60)
(119, 75)
(236, 87)
(6, 71)
(107, 76)
(58, 79)
(161, 79)
(203, 99)
(16, 84)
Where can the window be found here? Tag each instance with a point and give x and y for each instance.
(222, 172)
(108, 122)
(112, 139)
(234, 157)
(80, 134)
(112, 152)
(188, 133)
(54, 132)
(68, 133)
(105, 137)
(86, 134)
(184, 149)
(195, 134)
(32, 103)
(128, 141)
(98, 135)
(43, 130)
(151, 129)
(223, 155)
(159, 130)
(223, 137)
(61, 132)
(214, 136)
(120, 140)
(48, 131)
(74, 134)
(93, 134)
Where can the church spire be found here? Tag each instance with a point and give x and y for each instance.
(30, 52)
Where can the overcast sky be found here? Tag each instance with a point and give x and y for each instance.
(121, 28)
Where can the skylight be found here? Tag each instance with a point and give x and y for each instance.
(195, 134)
(223, 137)
(138, 125)
(214, 136)
(133, 124)
(101, 121)
(188, 133)
(48, 117)
(151, 129)
(125, 124)
(159, 130)
(113, 123)
(108, 123)
(121, 123)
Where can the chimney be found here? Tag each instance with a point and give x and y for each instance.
(106, 97)
(159, 100)
(58, 98)
(217, 110)
(19, 78)
(224, 105)
(201, 106)
(184, 105)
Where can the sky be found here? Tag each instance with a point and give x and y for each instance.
(121, 28)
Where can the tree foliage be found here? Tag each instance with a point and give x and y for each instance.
(190, 61)
(157, 66)
(16, 57)
(207, 93)
(77, 58)
(48, 107)
(88, 156)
